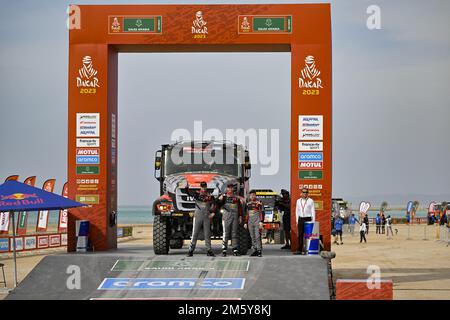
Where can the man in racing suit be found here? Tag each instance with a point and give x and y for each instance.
(254, 222)
(204, 203)
(231, 207)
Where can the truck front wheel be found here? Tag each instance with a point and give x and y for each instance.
(161, 235)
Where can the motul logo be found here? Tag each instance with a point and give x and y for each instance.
(310, 165)
(88, 152)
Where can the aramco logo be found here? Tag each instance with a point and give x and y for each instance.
(310, 75)
(87, 75)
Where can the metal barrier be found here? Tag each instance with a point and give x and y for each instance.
(444, 234)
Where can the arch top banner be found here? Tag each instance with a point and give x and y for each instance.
(99, 32)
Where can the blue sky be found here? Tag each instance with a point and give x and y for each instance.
(390, 99)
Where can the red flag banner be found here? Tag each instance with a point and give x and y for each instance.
(22, 221)
(63, 215)
(4, 216)
(42, 220)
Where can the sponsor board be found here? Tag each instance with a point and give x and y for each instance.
(19, 244)
(64, 239)
(88, 170)
(88, 151)
(310, 174)
(304, 165)
(310, 156)
(30, 243)
(135, 24)
(88, 124)
(88, 143)
(55, 240)
(172, 283)
(88, 198)
(310, 146)
(88, 159)
(310, 127)
(42, 242)
(4, 244)
(264, 24)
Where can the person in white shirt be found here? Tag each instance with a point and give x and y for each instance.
(362, 232)
(304, 211)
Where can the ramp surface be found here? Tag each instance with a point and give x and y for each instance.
(136, 273)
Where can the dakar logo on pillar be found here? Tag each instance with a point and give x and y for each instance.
(310, 75)
(199, 28)
(87, 75)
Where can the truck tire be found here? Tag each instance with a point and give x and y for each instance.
(176, 243)
(161, 233)
(244, 243)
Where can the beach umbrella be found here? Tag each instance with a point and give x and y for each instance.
(16, 196)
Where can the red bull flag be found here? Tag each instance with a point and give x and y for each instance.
(4, 216)
(23, 216)
(42, 220)
(63, 216)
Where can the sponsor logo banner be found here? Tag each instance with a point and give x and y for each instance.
(265, 24)
(88, 143)
(88, 124)
(310, 156)
(19, 244)
(88, 152)
(172, 283)
(55, 240)
(64, 239)
(88, 198)
(88, 170)
(4, 244)
(318, 205)
(42, 242)
(310, 127)
(87, 184)
(310, 174)
(4, 222)
(133, 24)
(88, 159)
(310, 165)
(198, 265)
(30, 243)
(311, 186)
(310, 146)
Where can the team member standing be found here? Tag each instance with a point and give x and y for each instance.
(338, 224)
(254, 222)
(304, 212)
(204, 203)
(284, 204)
(362, 232)
(232, 206)
(378, 224)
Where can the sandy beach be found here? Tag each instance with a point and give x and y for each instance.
(419, 268)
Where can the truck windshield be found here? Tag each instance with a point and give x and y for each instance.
(189, 160)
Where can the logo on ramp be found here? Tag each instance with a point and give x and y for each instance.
(172, 283)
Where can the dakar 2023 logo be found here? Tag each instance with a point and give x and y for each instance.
(310, 75)
(199, 28)
(87, 75)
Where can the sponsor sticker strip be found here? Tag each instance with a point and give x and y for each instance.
(258, 24)
(135, 24)
(128, 284)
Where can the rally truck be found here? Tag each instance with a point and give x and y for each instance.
(272, 214)
(183, 163)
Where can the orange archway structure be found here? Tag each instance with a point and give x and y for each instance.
(101, 32)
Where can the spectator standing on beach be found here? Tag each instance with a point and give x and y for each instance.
(383, 223)
(366, 221)
(351, 224)
(389, 226)
(362, 232)
(338, 224)
(378, 224)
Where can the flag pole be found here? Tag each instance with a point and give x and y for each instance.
(14, 249)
